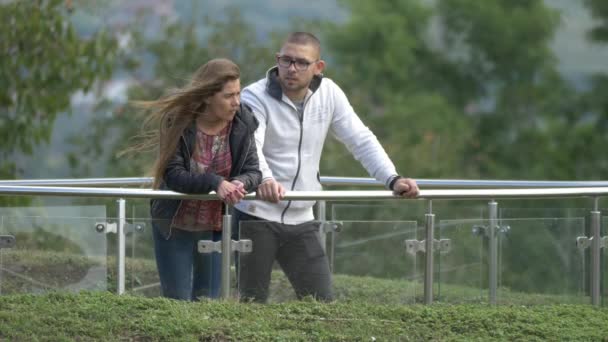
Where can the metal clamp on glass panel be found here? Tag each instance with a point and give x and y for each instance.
(7, 241)
(208, 246)
(483, 230)
(112, 227)
(135, 227)
(331, 227)
(583, 242)
(414, 246)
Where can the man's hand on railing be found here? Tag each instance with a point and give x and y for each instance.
(270, 190)
(405, 187)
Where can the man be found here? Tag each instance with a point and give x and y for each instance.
(296, 108)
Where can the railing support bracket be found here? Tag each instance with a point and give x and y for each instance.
(414, 246)
(112, 227)
(7, 241)
(208, 246)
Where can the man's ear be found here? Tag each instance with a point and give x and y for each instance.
(319, 66)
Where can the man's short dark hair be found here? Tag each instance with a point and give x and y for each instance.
(304, 38)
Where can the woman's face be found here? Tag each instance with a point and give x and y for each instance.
(223, 105)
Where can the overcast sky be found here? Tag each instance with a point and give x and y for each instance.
(574, 51)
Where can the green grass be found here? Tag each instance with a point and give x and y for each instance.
(107, 317)
(366, 309)
(57, 270)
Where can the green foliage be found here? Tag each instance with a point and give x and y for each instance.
(506, 40)
(599, 10)
(44, 62)
(405, 90)
(591, 136)
(179, 50)
(102, 316)
(452, 89)
(504, 47)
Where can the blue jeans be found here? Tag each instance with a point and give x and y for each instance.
(184, 272)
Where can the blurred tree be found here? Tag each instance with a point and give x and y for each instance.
(409, 93)
(599, 11)
(170, 58)
(592, 133)
(43, 62)
(529, 122)
(466, 89)
(521, 101)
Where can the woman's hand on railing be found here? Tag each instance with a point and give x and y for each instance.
(232, 192)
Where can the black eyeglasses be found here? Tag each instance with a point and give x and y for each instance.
(299, 63)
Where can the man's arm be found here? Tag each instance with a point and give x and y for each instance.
(365, 147)
(259, 111)
(269, 190)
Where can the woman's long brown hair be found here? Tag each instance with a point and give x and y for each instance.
(173, 113)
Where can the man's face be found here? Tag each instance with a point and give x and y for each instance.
(297, 65)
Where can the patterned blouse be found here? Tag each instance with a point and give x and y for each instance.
(211, 154)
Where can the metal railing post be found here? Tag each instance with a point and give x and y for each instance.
(322, 217)
(428, 271)
(226, 253)
(120, 250)
(321, 208)
(595, 254)
(492, 251)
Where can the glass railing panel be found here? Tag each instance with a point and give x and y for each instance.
(141, 270)
(141, 275)
(460, 270)
(52, 253)
(368, 259)
(604, 261)
(538, 261)
(372, 255)
(539, 212)
(405, 210)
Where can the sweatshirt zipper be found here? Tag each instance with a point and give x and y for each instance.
(295, 179)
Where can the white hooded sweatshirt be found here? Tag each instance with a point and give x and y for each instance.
(290, 142)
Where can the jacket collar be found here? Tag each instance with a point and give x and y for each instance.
(273, 86)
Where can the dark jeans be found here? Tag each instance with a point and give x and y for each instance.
(297, 249)
(185, 273)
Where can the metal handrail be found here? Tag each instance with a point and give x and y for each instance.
(329, 181)
(466, 183)
(121, 181)
(593, 192)
(311, 195)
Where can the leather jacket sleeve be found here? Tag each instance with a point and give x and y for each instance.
(250, 174)
(178, 178)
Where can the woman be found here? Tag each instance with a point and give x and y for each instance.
(205, 144)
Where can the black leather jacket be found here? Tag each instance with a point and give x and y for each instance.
(178, 177)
